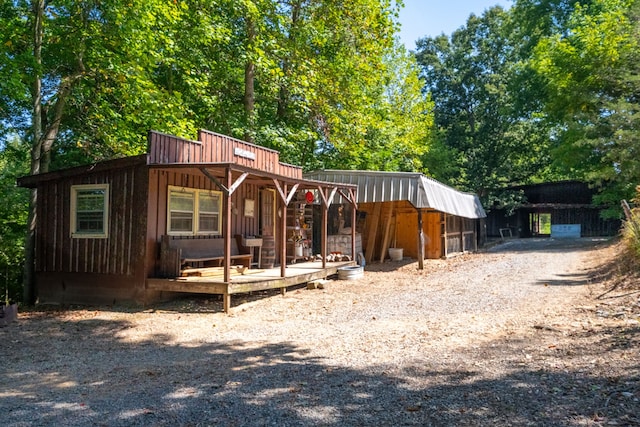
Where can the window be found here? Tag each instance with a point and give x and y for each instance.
(90, 211)
(208, 212)
(193, 211)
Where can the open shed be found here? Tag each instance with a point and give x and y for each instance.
(407, 210)
(128, 229)
(555, 209)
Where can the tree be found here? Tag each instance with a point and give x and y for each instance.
(61, 50)
(483, 130)
(592, 93)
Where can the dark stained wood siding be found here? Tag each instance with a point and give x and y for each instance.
(215, 148)
(161, 179)
(61, 259)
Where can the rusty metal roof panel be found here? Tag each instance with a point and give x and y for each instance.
(420, 190)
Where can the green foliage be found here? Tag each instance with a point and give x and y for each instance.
(590, 71)
(14, 162)
(631, 229)
(487, 137)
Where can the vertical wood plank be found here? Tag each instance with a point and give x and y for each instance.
(372, 231)
(420, 241)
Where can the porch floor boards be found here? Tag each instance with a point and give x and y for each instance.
(264, 279)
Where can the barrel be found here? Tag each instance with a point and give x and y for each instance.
(268, 259)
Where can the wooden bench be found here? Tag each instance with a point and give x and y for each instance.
(175, 253)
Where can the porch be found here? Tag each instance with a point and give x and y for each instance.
(212, 282)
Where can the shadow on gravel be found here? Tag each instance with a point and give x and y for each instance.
(77, 381)
(550, 245)
(573, 279)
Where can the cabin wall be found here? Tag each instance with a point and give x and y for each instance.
(160, 179)
(92, 270)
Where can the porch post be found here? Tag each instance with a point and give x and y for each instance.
(354, 255)
(283, 236)
(226, 225)
(323, 232)
(420, 241)
(444, 235)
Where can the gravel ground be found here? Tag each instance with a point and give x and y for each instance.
(526, 333)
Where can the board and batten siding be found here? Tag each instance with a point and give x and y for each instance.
(159, 182)
(71, 268)
(215, 148)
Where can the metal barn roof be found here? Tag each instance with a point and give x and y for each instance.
(420, 190)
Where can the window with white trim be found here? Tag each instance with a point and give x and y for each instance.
(193, 211)
(90, 211)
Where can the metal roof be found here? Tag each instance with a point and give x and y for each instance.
(420, 190)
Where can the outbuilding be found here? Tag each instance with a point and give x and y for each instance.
(552, 209)
(404, 210)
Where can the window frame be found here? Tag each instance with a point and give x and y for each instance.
(80, 234)
(195, 225)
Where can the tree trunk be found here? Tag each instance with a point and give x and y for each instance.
(249, 76)
(283, 98)
(29, 294)
(43, 139)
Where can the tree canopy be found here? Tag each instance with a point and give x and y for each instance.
(545, 90)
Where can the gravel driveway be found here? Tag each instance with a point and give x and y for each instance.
(511, 336)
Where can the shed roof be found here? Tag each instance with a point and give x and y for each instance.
(421, 191)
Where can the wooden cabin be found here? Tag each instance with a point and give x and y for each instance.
(403, 209)
(552, 209)
(222, 210)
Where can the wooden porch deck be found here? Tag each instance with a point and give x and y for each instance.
(251, 280)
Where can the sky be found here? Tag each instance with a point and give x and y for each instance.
(421, 18)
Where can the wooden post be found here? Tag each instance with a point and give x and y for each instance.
(445, 249)
(387, 234)
(226, 301)
(354, 255)
(323, 232)
(283, 236)
(226, 225)
(420, 241)
(372, 231)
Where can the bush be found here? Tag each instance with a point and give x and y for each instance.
(631, 230)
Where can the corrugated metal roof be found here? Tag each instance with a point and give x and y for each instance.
(420, 190)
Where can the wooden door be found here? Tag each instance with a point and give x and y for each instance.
(268, 227)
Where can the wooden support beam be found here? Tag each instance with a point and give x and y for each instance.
(445, 250)
(420, 241)
(373, 231)
(283, 234)
(226, 302)
(323, 233)
(226, 222)
(387, 234)
(229, 186)
(354, 255)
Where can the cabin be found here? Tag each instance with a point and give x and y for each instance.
(403, 210)
(215, 215)
(553, 209)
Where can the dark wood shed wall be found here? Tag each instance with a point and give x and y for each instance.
(592, 224)
(92, 269)
(161, 179)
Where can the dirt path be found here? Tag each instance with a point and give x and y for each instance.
(513, 336)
